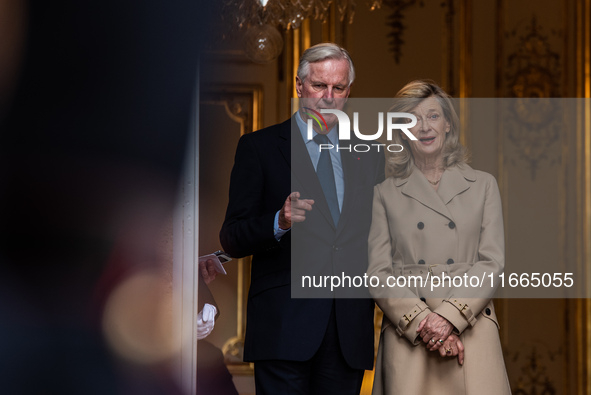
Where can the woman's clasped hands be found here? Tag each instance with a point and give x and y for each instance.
(437, 335)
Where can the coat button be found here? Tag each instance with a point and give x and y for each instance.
(487, 311)
(420, 225)
(423, 299)
(421, 261)
(450, 261)
(451, 225)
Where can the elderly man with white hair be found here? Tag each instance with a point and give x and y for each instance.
(292, 203)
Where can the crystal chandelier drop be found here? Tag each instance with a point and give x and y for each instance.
(289, 14)
(258, 20)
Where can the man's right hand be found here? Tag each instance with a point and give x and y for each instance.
(294, 210)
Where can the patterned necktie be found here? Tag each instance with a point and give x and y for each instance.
(325, 174)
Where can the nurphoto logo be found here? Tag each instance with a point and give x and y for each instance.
(345, 129)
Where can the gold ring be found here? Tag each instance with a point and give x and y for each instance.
(448, 350)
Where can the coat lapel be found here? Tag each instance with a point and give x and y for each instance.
(457, 180)
(453, 182)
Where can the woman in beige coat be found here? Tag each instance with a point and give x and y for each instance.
(437, 246)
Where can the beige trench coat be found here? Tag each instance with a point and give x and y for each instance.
(420, 233)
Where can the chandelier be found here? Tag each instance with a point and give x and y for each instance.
(258, 20)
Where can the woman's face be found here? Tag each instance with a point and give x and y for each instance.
(430, 130)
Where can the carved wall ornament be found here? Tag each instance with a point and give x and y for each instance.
(534, 378)
(533, 68)
(238, 106)
(396, 21)
(533, 126)
(233, 350)
(533, 74)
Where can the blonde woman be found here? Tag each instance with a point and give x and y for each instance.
(436, 217)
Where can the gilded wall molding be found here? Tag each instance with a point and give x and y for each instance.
(465, 78)
(243, 105)
(583, 177)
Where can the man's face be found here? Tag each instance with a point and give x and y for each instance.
(326, 86)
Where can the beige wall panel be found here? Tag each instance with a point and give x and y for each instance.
(484, 41)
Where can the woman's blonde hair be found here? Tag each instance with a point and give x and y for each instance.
(400, 164)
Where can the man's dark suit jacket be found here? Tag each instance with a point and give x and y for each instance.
(265, 172)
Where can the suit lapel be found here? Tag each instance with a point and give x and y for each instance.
(350, 179)
(304, 176)
(284, 143)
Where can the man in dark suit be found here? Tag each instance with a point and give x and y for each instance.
(284, 212)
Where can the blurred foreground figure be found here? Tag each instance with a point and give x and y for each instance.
(95, 105)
